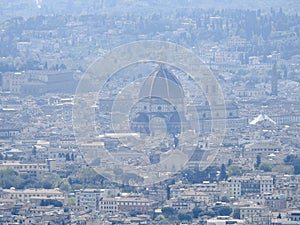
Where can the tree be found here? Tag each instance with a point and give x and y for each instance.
(168, 211)
(294, 161)
(73, 157)
(285, 169)
(53, 202)
(209, 213)
(196, 211)
(222, 210)
(160, 217)
(211, 173)
(258, 161)
(70, 201)
(68, 158)
(229, 163)
(266, 167)
(184, 217)
(34, 150)
(10, 178)
(135, 213)
(86, 177)
(62, 67)
(224, 199)
(290, 159)
(234, 170)
(64, 185)
(129, 178)
(223, 173)
(237, 214)
(297, 169)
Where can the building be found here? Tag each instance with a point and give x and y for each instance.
(13, 82)
(238, 186)
(262, 148)
(294, 216)
(276, 202)
(253, 214)
(89, 198)
(126, 204)
(25, 168)
(232, 118)
(9, 132)
(224, 220)
(30, 194)
(38, 82)
(162, 98)
(182, 205)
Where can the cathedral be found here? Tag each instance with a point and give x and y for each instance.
(161, 98)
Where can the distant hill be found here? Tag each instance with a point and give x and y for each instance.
(28, 8)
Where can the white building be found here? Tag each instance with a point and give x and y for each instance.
(238, 186)
(89, 198)
(224, 220)
(30, 194)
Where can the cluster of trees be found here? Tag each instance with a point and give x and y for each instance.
(250, 24)
(53, 202)
(172, 214)
(195, 175)
(11, 64)
(212, 173)
(293, 160)
(10, 178)
(85, 177)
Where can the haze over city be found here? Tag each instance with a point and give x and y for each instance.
(149, 112)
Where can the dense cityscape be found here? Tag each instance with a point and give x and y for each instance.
(47, 176)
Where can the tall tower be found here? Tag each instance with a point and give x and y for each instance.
(274, 80)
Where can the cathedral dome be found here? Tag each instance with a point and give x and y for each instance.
(162, 83)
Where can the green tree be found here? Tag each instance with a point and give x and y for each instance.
(53, 202)
(10, 178)
(290, 159)
(222, 210)
(223, 173)
(209, 213)
(258, 161)
(34, 150)
(168, 211)
(128, 178)
(85, 177)
(184, 217)
(229, 163)
(70, 201)
(237, 214)
(285, 169)
(135, 213)
(293, 160)
(68, 158)
(266, 167)
(224, 199)
(160, 217)
(234, 170)
(196, 212)
(64, 185)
